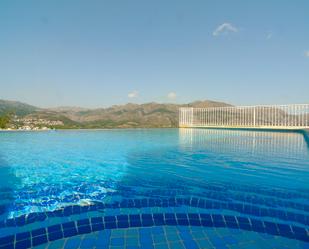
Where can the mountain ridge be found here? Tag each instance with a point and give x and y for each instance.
(130, 115)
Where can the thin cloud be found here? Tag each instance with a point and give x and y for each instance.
(133, 94)
(172, 96)
(307, 53)
(225, 28)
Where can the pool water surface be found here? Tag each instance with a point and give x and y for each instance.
(154, 188)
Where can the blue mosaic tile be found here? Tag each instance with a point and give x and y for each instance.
(22, 236)
(271, 228)
(190, 244)
(68, 225)
(117, 241)
(38, 232)
(23, 244)
(218, 220)
(20, 221)
(217, 242)
(97, 226)
(158, 238)
(158, 219)
(84, 229)
(96, 220)
(206, 220)
(88, 243)
(229, 240)
(109, 219)
(83, 222)
(39, 240)
(244, 223)
(7, 246)
(182, 219)
(300, 233)
(230, 221)
(7, 240)
(257, 226)
(157, 230)
(55, 235)
(135, 222)
(72, 243)
(54, 228)
(170, 219)
(69, 232)
(145, 237)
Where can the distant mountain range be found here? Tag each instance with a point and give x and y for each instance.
(149, 115)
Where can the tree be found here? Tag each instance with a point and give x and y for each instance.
(4, 121)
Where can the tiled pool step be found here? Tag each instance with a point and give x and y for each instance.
(253, 210)
(47, 195)
(84, 226)
(174, 237)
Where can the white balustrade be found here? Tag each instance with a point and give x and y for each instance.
(266, 116)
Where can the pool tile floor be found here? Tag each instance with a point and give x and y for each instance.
(174, 237)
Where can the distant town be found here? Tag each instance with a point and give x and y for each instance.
(33, 124)
(27, 124)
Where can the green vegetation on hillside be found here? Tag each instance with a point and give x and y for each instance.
(18, 108)
(4, 121)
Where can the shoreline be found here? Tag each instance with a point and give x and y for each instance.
(305, 132)
(90, 129)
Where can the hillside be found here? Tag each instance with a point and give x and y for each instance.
(18, 108)
(149, 115)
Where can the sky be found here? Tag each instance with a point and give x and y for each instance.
(101, 53)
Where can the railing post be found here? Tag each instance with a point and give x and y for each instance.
(192, 117)
(254, 116)
(273, 116)
(180, 116)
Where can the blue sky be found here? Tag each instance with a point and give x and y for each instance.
(99, 53)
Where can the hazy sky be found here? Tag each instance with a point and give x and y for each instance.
(98, 53)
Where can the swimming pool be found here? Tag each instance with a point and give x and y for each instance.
(154, 188)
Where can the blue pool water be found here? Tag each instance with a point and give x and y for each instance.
(160, 188)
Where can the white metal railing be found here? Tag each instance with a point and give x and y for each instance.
(264, 116)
